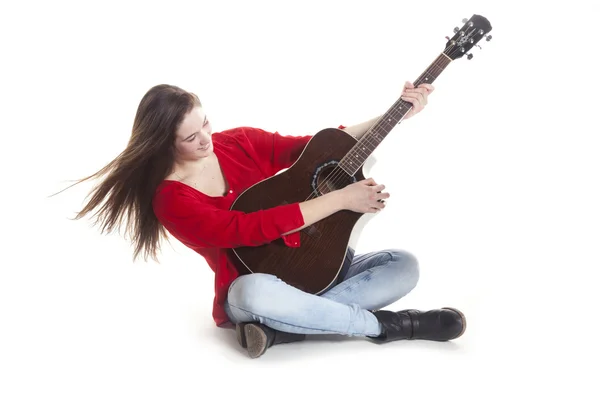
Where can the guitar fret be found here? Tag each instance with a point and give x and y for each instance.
(364, 149)
(346, 169)
(429, 77)
(388, 125)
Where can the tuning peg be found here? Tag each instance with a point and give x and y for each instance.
(488, 38)
(456, 29)
(469, 56)
(464, 20)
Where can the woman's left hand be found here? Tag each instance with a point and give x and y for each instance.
(417, 96)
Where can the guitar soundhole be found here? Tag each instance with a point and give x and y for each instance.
(330, 177)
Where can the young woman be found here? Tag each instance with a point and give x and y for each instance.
(177, 176)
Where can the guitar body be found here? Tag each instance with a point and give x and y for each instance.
(316, 263)
(314, 266)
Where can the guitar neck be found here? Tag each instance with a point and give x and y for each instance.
(388, 121)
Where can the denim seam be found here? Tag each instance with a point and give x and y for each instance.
(372, 271)
(279, 322)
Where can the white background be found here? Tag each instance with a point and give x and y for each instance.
(494, 187)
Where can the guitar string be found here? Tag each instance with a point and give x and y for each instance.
(338, 173)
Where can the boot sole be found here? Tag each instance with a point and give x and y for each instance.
(241, 335)
(462, 317)
(256, 340)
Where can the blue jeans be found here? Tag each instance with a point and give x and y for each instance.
(371, 281)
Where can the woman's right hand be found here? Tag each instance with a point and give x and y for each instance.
(363, 196)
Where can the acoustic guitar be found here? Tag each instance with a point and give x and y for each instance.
(331, 160)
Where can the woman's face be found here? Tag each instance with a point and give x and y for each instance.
(193, 138)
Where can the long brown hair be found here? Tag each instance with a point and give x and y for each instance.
(134, 175)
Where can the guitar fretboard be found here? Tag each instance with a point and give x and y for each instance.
(388, 121)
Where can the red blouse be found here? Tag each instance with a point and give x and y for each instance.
(206, 224)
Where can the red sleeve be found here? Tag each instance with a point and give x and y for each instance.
(276, 150)
(197, 224)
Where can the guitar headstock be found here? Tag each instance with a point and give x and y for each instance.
(473, 30)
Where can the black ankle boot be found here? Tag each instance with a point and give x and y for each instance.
(439, 325)
(257, 338)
